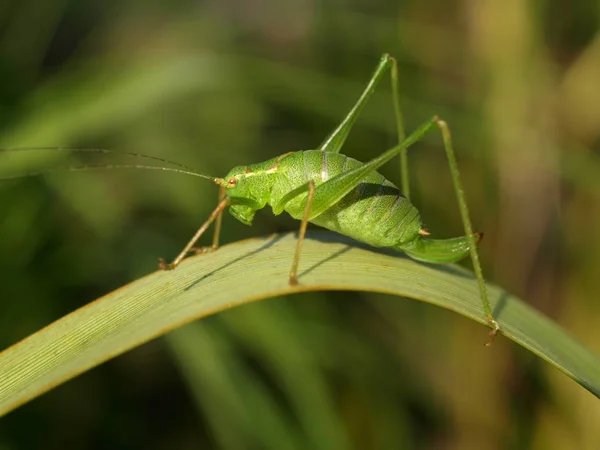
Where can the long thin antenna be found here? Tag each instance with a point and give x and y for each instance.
(109, 166)
(95, 150)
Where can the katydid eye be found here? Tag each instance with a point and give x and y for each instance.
(232, 182)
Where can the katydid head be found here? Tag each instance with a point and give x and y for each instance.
(246, 191)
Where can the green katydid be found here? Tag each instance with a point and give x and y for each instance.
(341, 194)
(332, 190)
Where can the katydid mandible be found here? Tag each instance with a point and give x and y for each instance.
(332, 190)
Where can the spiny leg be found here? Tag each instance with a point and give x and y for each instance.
(466, 219)
(309, 201)
(334, 142)
(163, 265)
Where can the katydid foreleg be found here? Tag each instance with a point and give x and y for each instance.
(218, 220)
(215, 215)
(217, 230)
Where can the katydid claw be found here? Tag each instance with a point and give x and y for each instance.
(494, 332)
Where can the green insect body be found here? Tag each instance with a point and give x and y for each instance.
(374, 212)
(332, 190)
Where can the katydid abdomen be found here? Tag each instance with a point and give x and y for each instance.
(374, 212)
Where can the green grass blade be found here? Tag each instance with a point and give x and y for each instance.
(257, 269)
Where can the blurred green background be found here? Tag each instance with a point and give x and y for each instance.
(213, 84)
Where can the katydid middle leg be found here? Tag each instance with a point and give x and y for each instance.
(301, 233)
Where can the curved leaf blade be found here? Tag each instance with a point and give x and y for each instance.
(255, 269)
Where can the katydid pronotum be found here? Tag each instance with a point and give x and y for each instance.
(332, 190)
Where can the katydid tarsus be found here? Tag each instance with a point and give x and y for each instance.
(332, 190)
